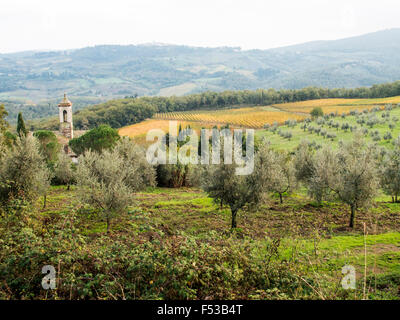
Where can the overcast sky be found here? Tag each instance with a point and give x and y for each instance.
(54, 24)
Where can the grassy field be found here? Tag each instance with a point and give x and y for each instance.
(299, 133)
(313, 241)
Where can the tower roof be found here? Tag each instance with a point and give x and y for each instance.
(65, 102)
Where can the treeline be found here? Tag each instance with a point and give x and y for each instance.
(122, 112)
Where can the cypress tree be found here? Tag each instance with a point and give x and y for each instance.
(21, 129)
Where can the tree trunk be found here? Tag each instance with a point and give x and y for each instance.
(234, 213)
(68, 187)
(392, 199)
(44, 201)
(280, 198)
(221, 205)
(396, 198)
(353, 209)
(108, 223)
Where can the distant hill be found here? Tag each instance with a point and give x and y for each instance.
(94, 74)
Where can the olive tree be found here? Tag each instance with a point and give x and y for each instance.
(140, 173)
(309, 170)
(63, 170)
(226, 187)
(324, 166)
(348, 174)
(108, 180)
(304, 161)
(23, 172)
(389, 172)
(276, 171)
(355, 179)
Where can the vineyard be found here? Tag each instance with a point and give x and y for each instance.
(252, 117)
(139, 130)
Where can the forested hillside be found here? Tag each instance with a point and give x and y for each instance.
(29, 81)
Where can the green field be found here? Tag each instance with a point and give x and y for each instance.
(299, 134)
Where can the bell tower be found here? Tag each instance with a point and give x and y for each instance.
(65, 114)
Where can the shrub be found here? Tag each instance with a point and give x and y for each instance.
(317, 112)
(345, 126)
(387, 136)
(23, 172)
(331, 135)
(377, 138)
(180, 267)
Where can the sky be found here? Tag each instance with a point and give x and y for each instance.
(249, 24)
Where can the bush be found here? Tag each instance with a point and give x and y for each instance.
(331, 135)
(23, 172)
(377, 138)
(345, 126)
(317, 112)
(387, 136)
(179, 267)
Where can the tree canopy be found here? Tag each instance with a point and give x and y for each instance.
(97, 139)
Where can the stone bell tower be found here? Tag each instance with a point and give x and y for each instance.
(65, 113)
